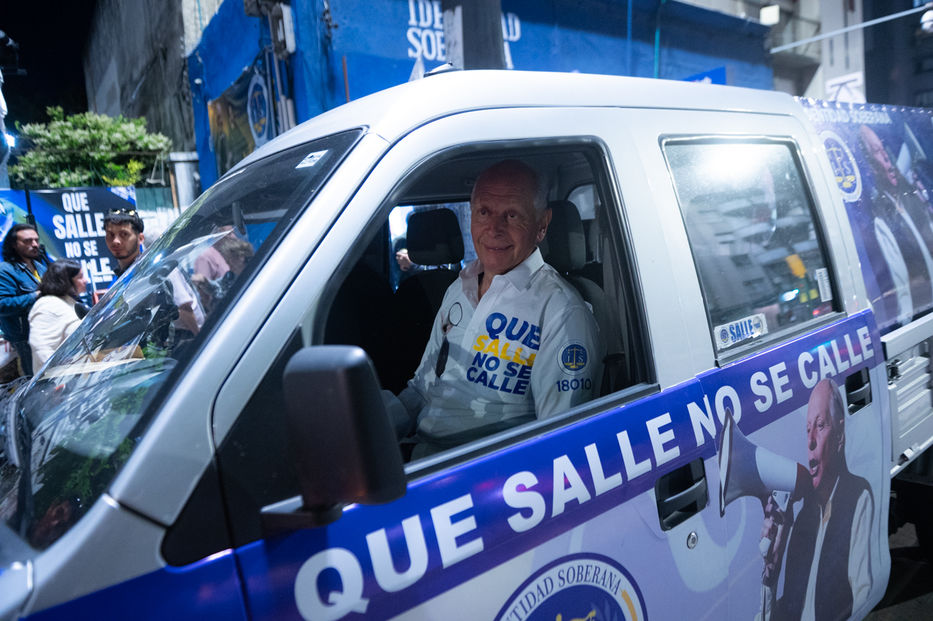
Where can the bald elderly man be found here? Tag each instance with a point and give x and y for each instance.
(827, 574)
(512, 341)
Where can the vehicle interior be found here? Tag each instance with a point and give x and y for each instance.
(429, 215)
(371, 303)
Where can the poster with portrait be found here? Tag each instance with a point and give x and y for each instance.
(240, 118)
(880, 158)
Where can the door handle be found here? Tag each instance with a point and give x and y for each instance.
(681, 494)
(858, 390)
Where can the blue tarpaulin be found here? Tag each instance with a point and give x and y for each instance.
(228, 47)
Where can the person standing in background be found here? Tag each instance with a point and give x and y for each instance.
(123, 230)
(53, 318)
(22, 268)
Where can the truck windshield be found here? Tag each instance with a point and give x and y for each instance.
(66, 434)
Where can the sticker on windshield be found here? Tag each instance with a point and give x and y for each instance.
(735, 332)
(311, 159)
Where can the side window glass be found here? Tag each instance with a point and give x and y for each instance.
(754, 238)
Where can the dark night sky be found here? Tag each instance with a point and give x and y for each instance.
(51, 38)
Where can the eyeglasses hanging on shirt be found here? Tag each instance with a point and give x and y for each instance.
(454, 315)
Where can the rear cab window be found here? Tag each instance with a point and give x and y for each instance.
(755, 239)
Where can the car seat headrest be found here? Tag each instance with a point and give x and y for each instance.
(564, 247)
(434, 237)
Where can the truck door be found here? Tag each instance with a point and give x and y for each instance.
(606, 510)
(795, 368)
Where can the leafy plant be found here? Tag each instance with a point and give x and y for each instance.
(84, 150)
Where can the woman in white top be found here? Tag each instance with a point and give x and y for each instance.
(53, 317)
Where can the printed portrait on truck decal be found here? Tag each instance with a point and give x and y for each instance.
(487, 535)
(815, 538)
(879, 158)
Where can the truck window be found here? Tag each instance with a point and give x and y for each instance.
(754, 238)
(392, 319)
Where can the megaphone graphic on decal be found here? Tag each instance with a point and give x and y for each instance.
(746, 469)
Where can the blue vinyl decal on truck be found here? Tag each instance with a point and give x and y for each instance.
(541, 504)
(881, 161)
(457, 525)
(209, 588)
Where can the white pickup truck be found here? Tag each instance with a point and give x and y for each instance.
(759, 270)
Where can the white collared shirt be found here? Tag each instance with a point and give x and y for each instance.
(529, 348)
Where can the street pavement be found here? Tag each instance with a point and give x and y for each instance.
(909, 596)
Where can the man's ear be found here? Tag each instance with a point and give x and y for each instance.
(543, 223)
(142, 238)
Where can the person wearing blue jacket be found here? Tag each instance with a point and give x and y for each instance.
(22, 268)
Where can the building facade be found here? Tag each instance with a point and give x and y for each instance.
(898, 55)
(222, 77)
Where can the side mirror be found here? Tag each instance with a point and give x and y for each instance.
(342, 444)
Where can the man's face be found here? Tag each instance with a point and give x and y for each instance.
(122, 241)
(824, 439)
(504, 225)
(878, 155)
(27, 244)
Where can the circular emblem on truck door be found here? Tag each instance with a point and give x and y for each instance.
(845, 169)
(581, 586)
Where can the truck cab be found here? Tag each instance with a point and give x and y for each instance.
(248, 467)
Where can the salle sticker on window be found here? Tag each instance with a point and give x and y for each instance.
(743, 329)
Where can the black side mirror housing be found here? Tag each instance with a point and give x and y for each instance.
(342, 443)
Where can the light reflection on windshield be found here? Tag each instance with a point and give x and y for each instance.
(66, 434)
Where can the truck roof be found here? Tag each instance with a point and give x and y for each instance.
(394, 112)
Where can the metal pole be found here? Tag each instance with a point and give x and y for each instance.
(872, 22)
(284, 121)
(473, 33)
